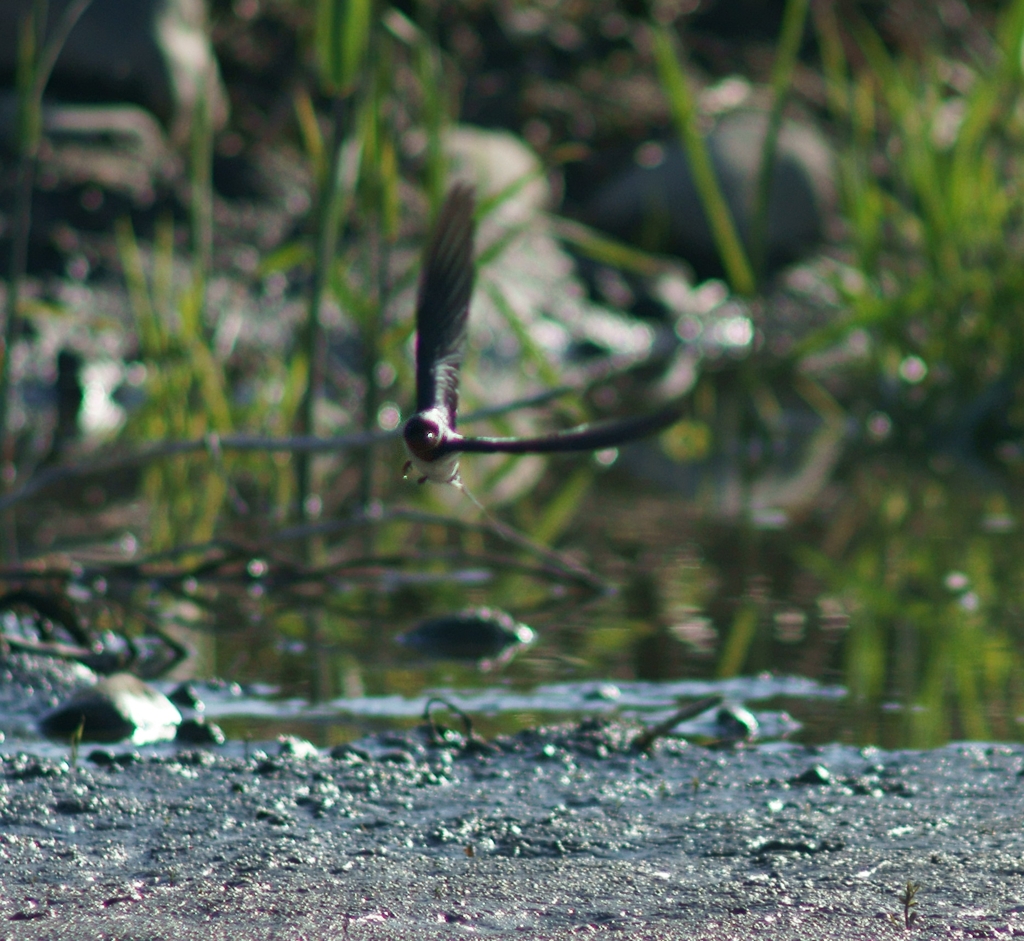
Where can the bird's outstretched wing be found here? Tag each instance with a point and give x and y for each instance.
(442, 312)
(442, 308)
(590, 437)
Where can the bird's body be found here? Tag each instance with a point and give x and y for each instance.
(442, 317)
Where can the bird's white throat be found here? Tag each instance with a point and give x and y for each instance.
(443, 470)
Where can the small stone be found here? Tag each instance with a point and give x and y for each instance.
(291, 746)
(815, 775)
(477, 634)
(199, 731)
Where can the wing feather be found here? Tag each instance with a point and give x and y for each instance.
(442, 308)
(590, 437)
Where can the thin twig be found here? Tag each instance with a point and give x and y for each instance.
(301, 444)
(793, 22)
(48, 648)
(218, 554)
(51, 51)
(439, 736)
(649, 736)
(565, 566)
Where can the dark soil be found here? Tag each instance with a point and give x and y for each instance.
(555, 834)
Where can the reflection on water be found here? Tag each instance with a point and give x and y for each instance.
(899, 583)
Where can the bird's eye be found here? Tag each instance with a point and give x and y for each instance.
(421, 434)
(419, 429)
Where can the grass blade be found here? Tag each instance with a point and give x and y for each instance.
(793, 21)
(684, 110)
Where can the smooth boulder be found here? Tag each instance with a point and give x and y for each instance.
(119, 707)
(155, 53)
(654, 202)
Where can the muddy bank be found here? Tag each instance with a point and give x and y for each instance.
(556, 833)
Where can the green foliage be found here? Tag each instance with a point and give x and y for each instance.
(743, 265)
(908, 899)
(738, 641)
(793, 22)
(930, 187)
(343, 38)
(187, 395)
(682, 100)
(76, 744)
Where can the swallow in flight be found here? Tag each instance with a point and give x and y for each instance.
(442, 314)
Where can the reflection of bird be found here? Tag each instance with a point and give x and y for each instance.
(442, 313)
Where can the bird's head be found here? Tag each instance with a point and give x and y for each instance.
(424, 433)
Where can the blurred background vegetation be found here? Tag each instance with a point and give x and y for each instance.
(841, 500)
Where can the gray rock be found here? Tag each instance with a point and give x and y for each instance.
(199, 731)
(657, 204)
(118, 148)
(486, 635)
(155, 53)
(734, 723)
(291, 746)
(118, 707)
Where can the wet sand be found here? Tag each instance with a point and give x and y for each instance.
(558, 833)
